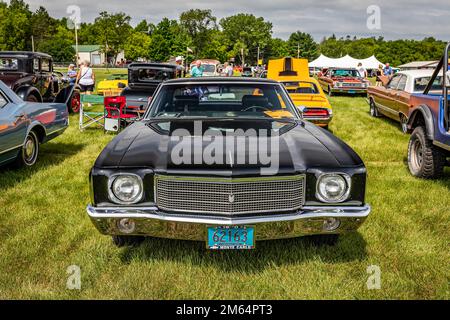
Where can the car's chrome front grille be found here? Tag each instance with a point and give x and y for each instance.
(228, 195)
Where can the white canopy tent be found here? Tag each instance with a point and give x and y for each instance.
(344, 62)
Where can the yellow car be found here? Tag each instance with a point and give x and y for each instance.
(304, 90)
(114, 82)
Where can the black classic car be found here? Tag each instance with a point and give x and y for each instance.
(229, 161)
(143, 79)
(31, 76)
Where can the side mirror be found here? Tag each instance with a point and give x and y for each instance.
(447, 80)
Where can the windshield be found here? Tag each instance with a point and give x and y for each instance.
(222, 100)
(8, 64)
(345, 73)
(300, 87)
(209, 68)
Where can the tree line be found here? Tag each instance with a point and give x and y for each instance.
(242, 37)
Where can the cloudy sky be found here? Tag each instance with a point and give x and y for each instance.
(398, 18)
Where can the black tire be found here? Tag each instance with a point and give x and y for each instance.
(373, 109)
(127, 241)
(75, 102)
(32, 98)
(425, 160)
(324, 239)
(404, 123)
(29, 152)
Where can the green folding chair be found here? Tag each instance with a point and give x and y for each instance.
(89, 118)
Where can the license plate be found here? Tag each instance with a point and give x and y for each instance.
(351, 91)
(231, 238)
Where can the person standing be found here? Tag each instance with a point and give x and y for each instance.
(72, 74)
(180, 67)
(387, 70)
(362, 71)
(379, 74)
(86, 78)
(197, 70)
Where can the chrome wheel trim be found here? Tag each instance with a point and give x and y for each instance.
(30, 150)
(416, 155)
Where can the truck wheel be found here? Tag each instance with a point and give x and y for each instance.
(425, 160)
(324, 239)
(125, 241)
(29, 152)
(373, 109)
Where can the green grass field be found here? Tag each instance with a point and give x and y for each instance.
(44, 229)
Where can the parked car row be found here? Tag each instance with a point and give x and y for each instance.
(419, 100)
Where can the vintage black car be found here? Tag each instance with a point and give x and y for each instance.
(31, 76)
(143, 79)
(229, 161)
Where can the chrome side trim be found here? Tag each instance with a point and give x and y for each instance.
(10, 149)
(441, 145)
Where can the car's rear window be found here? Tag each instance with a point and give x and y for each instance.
(421, 83)
(301, 87)
(151, 74)
(8, 64)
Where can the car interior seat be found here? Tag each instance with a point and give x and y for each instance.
(185, 103)
(255, 101)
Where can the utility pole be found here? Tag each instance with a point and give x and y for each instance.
(243, 58)
(76, 45)
(257, 59)
(32, 43)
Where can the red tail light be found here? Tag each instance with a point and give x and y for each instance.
(319, 113)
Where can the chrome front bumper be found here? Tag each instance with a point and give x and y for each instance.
(150, 221)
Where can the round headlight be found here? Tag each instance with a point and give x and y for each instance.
(333, 188)
(126, 189)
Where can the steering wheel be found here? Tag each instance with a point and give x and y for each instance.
(254, 108)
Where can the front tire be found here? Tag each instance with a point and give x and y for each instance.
(127, 241)
(29, 152)
(373, 109)
(75, 102)
(404, 123)
(32, 98)
(425, 160)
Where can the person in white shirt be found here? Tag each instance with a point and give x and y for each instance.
(86, 78)
(362, 71)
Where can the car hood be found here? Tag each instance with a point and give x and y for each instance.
(151, 144)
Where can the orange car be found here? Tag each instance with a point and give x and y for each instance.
(304, 90)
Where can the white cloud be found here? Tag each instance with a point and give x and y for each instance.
(400, 19)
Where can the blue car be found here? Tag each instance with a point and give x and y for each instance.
(25, 125)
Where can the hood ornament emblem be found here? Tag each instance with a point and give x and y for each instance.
(231, 198)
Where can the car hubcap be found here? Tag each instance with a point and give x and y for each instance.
(29, 150)
(417, 155)
(75, 103)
